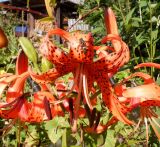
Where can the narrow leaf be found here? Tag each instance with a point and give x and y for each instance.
(50, 8)
(28, 49)
(129, 16)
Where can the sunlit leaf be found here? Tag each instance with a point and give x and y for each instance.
(110, 140)
(33, 138)
(142, 3)
(46, 19)
(129, 16)
(55, 128)
(154, 34)
(100, 140)
(50, 4)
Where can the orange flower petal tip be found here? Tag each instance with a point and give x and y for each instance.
(148, 64)
(3, 39)
(110, 21)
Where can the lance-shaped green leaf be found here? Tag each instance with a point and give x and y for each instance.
(50, 4)
(46, 19)
(45, 65)
(55, 128)
(28, 49)
(110, 138)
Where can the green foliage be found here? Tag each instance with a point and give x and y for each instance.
(55, 128)
(8, 22)
(45, 65)
(110, 139)
(28, 49)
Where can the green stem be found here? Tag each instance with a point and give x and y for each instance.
(123, 17)
(22, 23)
(136, 61)
(151, 39)
(28, 1)
(18, 133)
(140, 11)
(64, 138)
(142, 59)
(148, 51)
(128, 5)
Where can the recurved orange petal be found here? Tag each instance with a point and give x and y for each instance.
(111, 26)
(148, 92)
(110, 21)
(4, 82)
(21, 63)
(16, 88)
(149, 64)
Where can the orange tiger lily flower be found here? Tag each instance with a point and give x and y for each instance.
(144, 96)
(38, 110)
(17, 105)
(79, 59)
(148, 95)
(148, 91)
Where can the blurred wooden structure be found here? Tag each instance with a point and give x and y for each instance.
(65, 13)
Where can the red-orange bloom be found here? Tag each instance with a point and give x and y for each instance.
(88, 63)
(17, 105)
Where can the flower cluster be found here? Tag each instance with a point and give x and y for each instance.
(92, 68)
